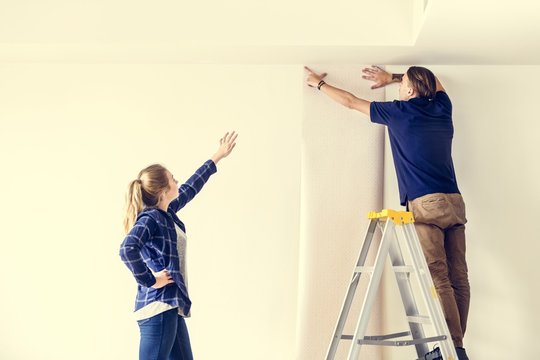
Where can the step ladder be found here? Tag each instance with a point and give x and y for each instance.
(397, 227)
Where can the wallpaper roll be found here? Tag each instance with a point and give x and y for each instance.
(341, 180)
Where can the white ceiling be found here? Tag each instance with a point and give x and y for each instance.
(276, 32)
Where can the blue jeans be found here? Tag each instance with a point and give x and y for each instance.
(164, 337)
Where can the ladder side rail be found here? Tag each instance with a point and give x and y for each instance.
(406, 292)
(371, 292)
(346, 306)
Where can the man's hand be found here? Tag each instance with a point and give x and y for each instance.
(313, 78)
(343, 97)
(163, 278)
(375, 73)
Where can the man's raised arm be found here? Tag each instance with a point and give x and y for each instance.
(341, 96)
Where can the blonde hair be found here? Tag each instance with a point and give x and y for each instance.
(144, 191)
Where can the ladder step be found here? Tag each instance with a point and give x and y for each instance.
(364, 269)
(398, 269)
(404, 269)
(419, 319)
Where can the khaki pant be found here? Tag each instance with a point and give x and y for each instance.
(440, 224)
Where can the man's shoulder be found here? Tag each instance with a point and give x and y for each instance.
(442, 98)
(442, 95)
(390, 105)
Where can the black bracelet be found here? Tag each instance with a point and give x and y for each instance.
(397, 77)
(321, 83)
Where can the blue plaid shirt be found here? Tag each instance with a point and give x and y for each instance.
(150, 246)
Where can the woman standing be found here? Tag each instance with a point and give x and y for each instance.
(154, 251)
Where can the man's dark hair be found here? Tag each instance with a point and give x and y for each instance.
(423, 81)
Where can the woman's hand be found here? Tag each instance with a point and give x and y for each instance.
(226, 145)
(375, 73)
(163, 278)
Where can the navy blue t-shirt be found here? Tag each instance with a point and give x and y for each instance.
(421, 134)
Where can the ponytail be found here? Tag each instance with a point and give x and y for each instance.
(144, 192)
(134, 204)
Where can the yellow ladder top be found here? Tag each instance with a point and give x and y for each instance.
(398, 217)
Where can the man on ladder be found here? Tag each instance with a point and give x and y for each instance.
(421, 130)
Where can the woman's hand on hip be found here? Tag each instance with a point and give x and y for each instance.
(226, 145)
(163, 278)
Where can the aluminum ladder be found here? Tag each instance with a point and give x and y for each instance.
(397, 227)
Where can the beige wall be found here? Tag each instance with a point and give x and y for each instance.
(495, 153)
(73, 136)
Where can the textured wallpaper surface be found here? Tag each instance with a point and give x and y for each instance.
(341, 180)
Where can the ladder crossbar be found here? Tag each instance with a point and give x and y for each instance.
(402, 342)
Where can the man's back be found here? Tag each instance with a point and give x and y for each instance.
(421, 133)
